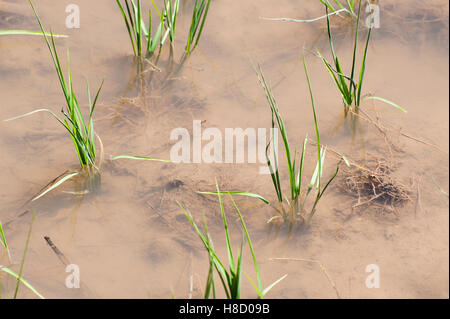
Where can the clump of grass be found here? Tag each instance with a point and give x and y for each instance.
(231, 279)
(199, 14)
(81, 130)
(296, 210)
(349, 86)
(141, 38)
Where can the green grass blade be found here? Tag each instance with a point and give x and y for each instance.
(385, 101)
(237, 193)
(308, 20)
(23, 281)
(330, 180)
(328, 5)
(4, 242)
(275, 112)
(91, 133)
(268, 288)
(149, 34)
(363, 68)
(203, 22)
(346, 161)
(26, 32)
(250, 245)
(74, 137)
(225, 226)
(210, 286)
(354, 48)
(273, 169)
(339, 4)
(130, 33)
(300, 171)
(316, 126)
(24, 255)
(223, 275)
(143, 158)
(55, 185)
(237, 277)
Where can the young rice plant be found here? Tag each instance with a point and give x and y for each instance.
(230, 278)
(296, 211)
(141, 38)
(350, 86)
(81, 130)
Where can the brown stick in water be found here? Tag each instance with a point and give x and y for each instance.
(58, 252)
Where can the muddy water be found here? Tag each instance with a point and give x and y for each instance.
(131, 240)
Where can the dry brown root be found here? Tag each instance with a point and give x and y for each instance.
(374, 186)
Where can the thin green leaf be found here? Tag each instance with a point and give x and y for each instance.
(55, 185)
(268, 288)
(144, 158)
(26, 32)
(237, 193)
(29, 286)
(385, 101)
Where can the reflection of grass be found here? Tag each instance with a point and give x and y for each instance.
(230, 279)
(296, 202)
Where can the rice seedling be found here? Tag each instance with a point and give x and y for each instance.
(350, 86)
(81, 130)
(296, 211)
(199, 14)
(19, 278)
(137, 29)
(231, 279)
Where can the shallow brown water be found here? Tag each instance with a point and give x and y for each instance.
(131, 240)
